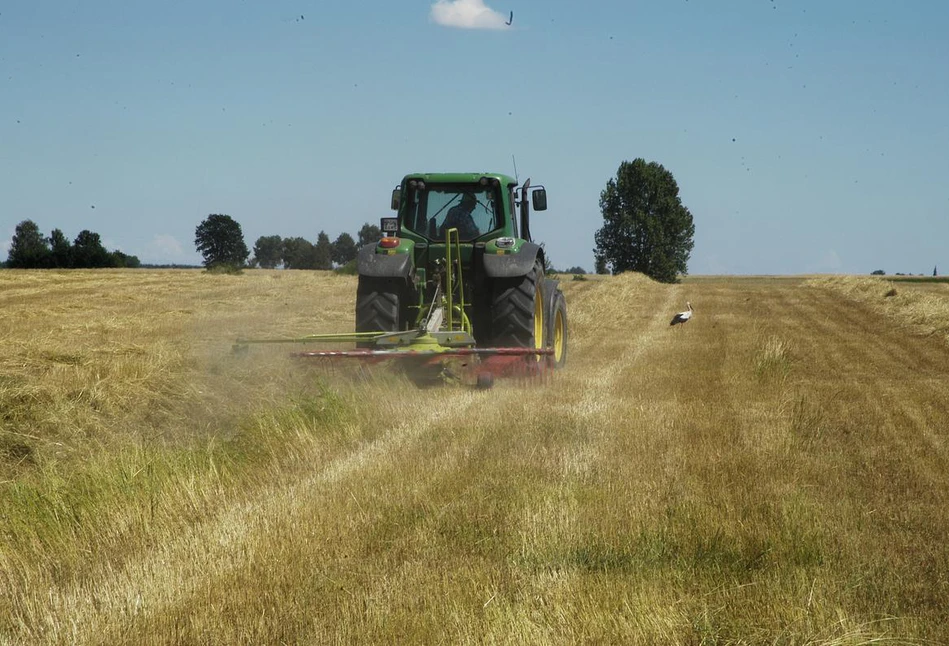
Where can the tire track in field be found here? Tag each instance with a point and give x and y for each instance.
(856, 342)
(173, 570)
(159, 580)
(610, 334)
(896, 384)
(884, 434)
(610, 331)
(630, 342)
(157, 583)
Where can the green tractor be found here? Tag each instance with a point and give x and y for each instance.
(457, 267)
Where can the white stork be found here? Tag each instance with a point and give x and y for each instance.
(682, 317)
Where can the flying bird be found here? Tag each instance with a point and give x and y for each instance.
(510, 20)
(682, 317)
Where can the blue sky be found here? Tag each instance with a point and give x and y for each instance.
(805, 136)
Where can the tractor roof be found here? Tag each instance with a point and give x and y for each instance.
(461, 178)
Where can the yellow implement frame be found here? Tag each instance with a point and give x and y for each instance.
(453, 241)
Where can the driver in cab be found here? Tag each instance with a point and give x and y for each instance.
(459, 217)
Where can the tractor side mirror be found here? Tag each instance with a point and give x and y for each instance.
(396, 198)
(539, 199)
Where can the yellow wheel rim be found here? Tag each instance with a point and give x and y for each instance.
(538, 320)
(558, 336)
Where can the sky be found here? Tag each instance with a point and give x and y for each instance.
(805, 136)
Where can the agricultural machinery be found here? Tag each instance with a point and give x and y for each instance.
(456, 280)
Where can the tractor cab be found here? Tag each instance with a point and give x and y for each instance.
(430, 209)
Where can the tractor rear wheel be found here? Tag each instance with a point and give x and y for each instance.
(517, 310)
(380, 305)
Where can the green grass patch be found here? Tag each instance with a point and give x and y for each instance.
(62, 512)
(773, 358)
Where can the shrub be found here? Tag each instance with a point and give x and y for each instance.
(349, 269)
(225, 268)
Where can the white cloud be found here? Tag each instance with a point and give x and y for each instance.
(467, 14)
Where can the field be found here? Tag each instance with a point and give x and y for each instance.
(774, 472)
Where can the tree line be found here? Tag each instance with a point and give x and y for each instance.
(646, 228)
(299, 253)
(220, 240)
(30, 249)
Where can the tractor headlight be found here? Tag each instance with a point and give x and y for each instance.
(506, 242)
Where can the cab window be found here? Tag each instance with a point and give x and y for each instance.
(436, 208)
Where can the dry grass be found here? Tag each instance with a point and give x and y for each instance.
(773, 472)
(920, 305)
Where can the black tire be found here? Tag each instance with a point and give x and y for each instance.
(485, 381)
(515, 308)
(380, 305)
(557, 331)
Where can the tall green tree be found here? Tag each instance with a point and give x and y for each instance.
(601, 267)
(297, 253)
(344, 249)
(123, 260)
(369, 234)
(323, 252)
(88, 252)
(220, 241)
(268, 251)
(645, 226)
(60, 250)
(29, 249)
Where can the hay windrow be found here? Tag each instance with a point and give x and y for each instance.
(920, 309)
(609, 308)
